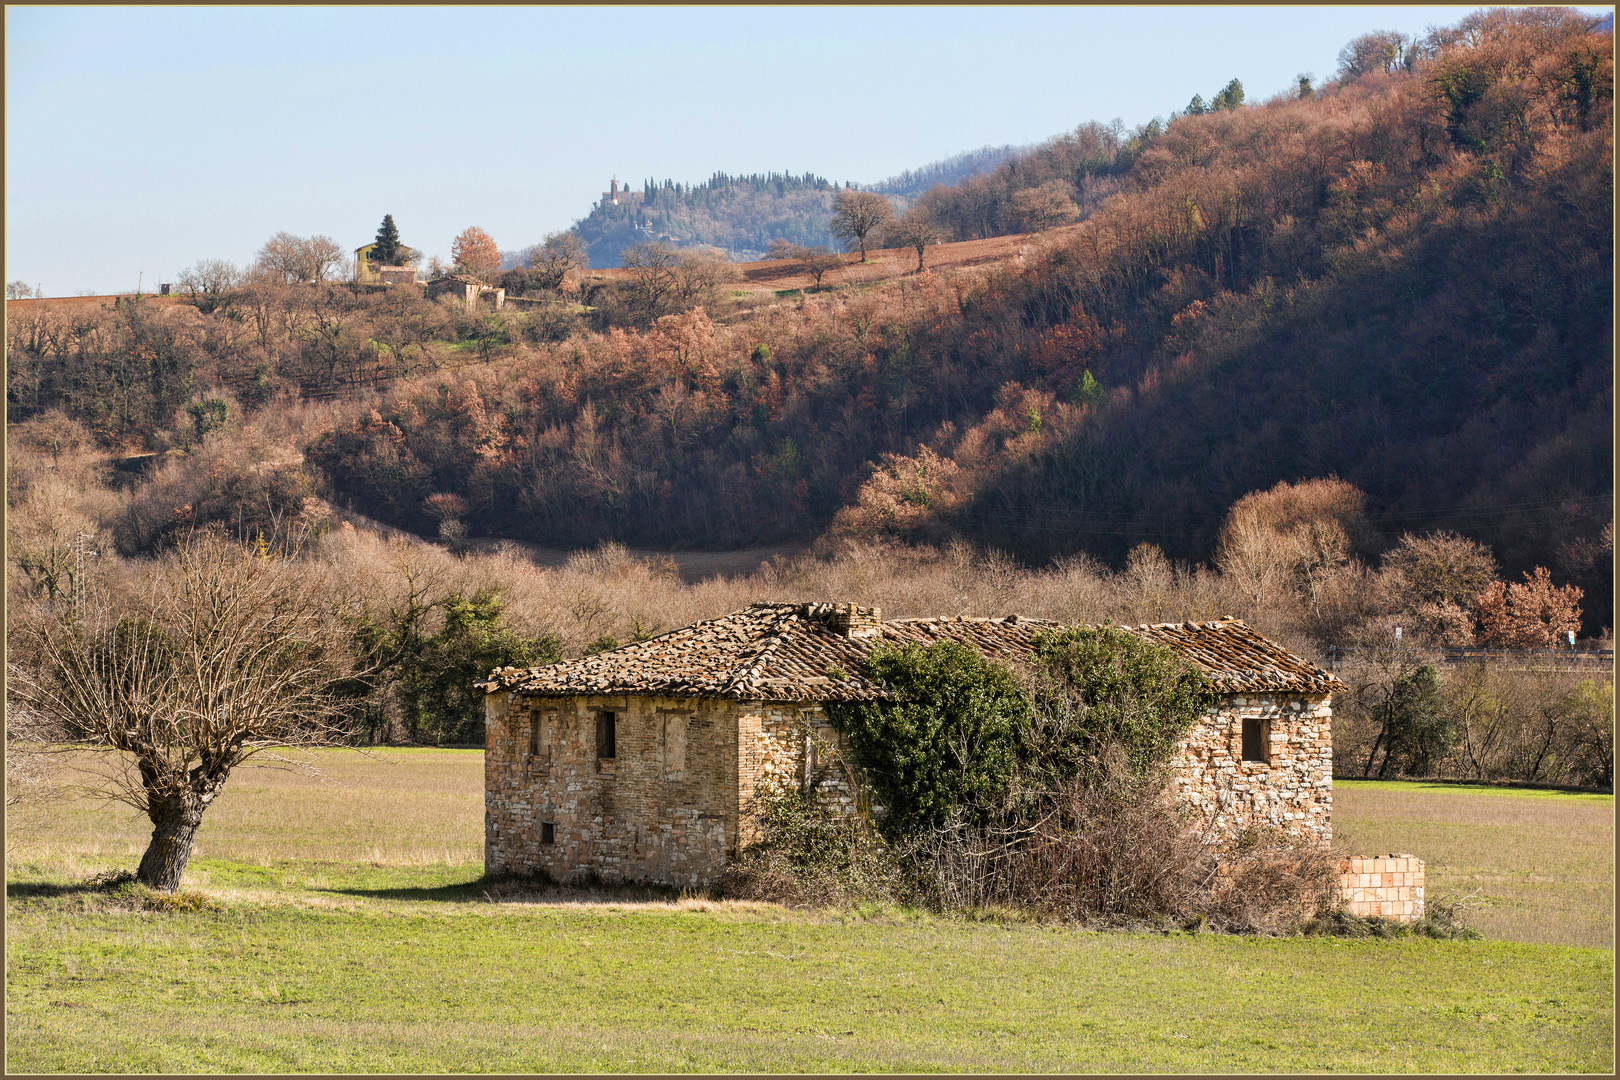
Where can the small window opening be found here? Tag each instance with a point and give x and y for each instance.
(1256, 737)
(605, 741)
(548, 832)
(534, 734)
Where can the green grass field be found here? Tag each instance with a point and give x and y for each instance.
(343, 926)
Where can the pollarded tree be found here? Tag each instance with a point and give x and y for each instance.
(857, 215)
(387, 249)
(475, 253)
(223, 657)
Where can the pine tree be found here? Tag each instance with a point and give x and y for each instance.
(386, 253)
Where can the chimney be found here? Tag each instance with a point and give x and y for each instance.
(856, 622)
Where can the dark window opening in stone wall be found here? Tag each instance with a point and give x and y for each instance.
(605, 724)
(1256, 739)
(548, 832)
(534, 734)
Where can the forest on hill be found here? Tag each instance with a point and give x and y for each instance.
(1402, 278)
(741, 215)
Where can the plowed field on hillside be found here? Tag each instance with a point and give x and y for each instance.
(774, 275)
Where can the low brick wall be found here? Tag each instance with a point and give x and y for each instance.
(1390, 886)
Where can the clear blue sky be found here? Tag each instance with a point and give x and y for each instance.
(143, 139)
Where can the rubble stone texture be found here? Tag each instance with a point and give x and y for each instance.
(707, 716)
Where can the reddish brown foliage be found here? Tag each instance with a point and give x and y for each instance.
(1534, 615)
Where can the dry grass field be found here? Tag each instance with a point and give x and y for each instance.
(777, 275)
(394, 807)
(1536, 866)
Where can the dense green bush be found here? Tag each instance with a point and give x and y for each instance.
(433, 675)
(1105, 687)
(966, 739)
(947, 743)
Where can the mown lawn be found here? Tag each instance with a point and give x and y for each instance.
(349, 930)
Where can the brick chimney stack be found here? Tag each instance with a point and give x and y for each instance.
(846, 620)
(856, 622)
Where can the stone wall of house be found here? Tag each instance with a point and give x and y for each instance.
(1291, 789)
(662, 809)
(778, 744)
(1388, 886)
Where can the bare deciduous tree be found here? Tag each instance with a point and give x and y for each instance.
(225, 656)
(322, 257)
(664, 280)
(1040, 208)
(917, 229)
(815, 261)
(857, 215)
(18, 290)
(555, 257)
(296, 259)
(209, 279)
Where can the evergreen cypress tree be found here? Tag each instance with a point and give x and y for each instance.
(386, 253)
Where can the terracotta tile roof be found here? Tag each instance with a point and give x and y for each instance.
(797, 652)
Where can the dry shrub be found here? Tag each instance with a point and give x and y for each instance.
(1117, 853)
(809, 855)
(1114, 853)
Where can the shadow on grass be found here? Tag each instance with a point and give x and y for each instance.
(516, 889)
(456, 891)
(109, 882)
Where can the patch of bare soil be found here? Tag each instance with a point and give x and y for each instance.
(776, 275)
(89, 301)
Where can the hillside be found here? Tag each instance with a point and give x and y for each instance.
(741, 215)
(1403, 279)
(1381, 282)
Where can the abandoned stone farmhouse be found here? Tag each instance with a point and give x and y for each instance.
(642, 764)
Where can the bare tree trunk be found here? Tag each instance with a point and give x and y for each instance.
(173, 836)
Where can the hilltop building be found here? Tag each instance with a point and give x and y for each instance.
(469, 289)
(642, 764)
(367, 272)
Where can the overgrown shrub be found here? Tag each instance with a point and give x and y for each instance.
(946, 745)
(1047, 791)
(1107, 688)
(433, 674)
(809, 854)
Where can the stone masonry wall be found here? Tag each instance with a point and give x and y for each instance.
(777, 740)
(674, 803)
(1389, 886)
(663, 809)
(1292, 789)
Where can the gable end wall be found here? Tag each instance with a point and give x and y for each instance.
(1292, 791)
